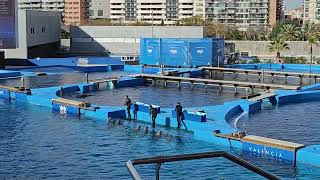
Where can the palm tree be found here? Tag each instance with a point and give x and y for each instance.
(278, 45)
(290, 32)
(312, 35)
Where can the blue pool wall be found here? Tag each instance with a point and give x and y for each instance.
(202, 131)
(74, 61)
(283, 67)
(219, 115)
(9, 74)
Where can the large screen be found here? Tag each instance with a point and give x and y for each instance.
(8, 27)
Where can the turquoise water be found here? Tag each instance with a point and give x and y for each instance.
(164, 97)
(39, 144)
(295, 122)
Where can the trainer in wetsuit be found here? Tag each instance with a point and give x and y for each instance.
(154, 113)
(179, 114)
(128, 104)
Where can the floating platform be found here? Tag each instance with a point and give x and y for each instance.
(70, 106)
(272, 142)
(262, 72)
(266, 147)
(216, 82)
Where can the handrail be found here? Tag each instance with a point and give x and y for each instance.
(162, 159)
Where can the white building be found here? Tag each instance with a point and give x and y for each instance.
(311, 11)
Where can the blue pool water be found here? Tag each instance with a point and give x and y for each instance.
(165, 97)
(296, 123)
(36, 143)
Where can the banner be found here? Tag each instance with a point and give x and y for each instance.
(8, 24)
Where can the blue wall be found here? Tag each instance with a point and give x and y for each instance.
(181, 52)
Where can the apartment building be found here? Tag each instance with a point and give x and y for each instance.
(311, 11)
(75, 12)
(98, 9)
(245, 13)
(45, 5)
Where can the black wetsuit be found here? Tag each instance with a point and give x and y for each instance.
(135, 111)
(128, 104)
(179, 114)
(153, 112)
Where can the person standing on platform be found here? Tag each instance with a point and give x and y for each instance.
(179, 114)
(128, 104)
(154, 113)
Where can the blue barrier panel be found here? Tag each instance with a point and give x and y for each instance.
(200, 52)
(149, 51)
(150, 70)
(130, 82)
(88, 88)
(191, 116)
(173, 52)
(65, 109)
(133, 68)
(145, 107)
(5, 94)
(267, 152)
(218, 51)
(105, 60)
(117, 67)
(117, 114)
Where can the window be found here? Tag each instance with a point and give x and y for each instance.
(91, 13)
(100, 12)
(32, 30)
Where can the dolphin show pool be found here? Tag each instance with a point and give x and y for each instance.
(69, 121)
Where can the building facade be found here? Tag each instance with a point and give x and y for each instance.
(245, 14)
(43, 5)
(311, 11)
(39, 35)
(75, 12)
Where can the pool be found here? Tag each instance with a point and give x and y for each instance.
(39, 144)
(294, 122)
(164, 97)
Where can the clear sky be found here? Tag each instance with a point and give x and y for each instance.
(291, 4)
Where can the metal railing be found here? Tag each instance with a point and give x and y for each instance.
(162, 159)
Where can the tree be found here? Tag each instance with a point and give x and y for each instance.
(278, 45)
(290, 32)
(311, 33)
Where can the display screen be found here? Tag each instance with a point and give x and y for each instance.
(8, 29)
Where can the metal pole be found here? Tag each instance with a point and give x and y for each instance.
(22, 81)
(158, 165)
(87, 78)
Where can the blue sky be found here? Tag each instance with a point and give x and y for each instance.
(290, 4)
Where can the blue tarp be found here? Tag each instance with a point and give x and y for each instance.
(181, 52)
